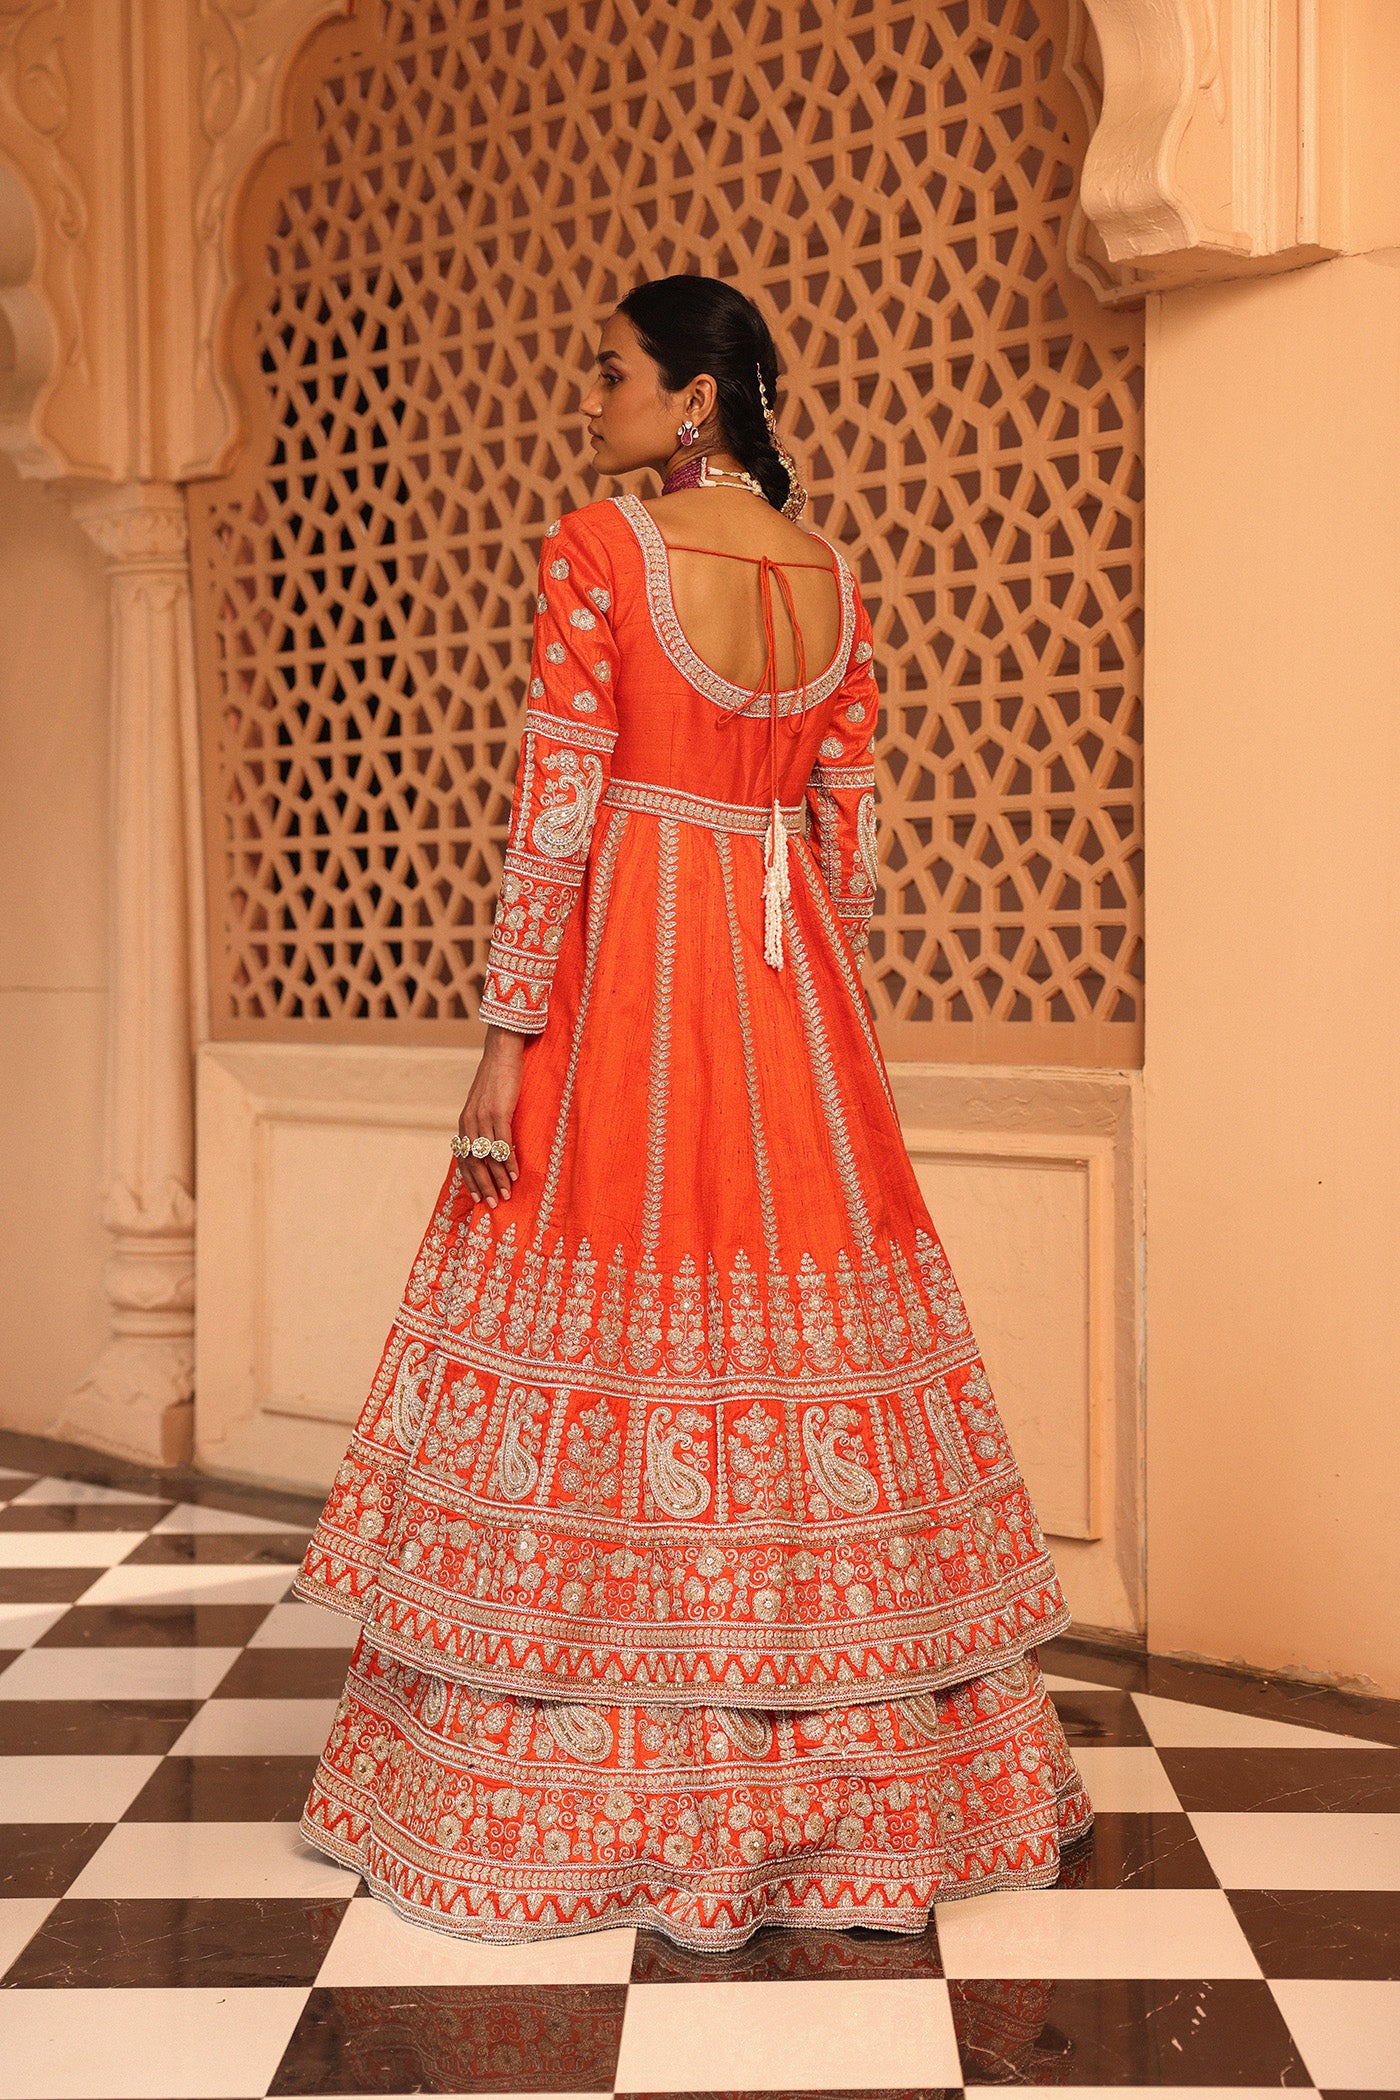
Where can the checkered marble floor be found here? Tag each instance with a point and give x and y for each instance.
(164, 1930)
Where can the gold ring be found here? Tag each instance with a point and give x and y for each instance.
(481, 1147)
(501, 1149)
(461, 1148)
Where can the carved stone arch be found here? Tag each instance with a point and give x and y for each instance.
(1203, 161)
(249, 60)
(463, 192)
(28, 343)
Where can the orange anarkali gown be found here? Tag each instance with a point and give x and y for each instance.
(698, 1585)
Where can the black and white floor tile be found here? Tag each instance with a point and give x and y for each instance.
(165, 1932)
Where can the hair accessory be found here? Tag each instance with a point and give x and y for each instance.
(797, 495)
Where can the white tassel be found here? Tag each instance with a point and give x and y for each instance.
(776, 887)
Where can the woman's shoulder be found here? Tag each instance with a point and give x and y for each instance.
(591, 521)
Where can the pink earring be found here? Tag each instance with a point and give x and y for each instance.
(688, 432)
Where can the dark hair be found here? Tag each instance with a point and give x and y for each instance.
(690, 325)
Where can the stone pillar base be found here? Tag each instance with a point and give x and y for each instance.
(136, 1402)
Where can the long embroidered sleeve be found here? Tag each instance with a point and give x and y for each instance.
(565, 758)
(841, 791)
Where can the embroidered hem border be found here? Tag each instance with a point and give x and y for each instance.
(525, 1819)
(933, 1661)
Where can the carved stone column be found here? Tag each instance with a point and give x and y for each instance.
(138, 1398)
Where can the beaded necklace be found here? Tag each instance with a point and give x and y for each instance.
(697, 473)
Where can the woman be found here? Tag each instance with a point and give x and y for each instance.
(699, 1586)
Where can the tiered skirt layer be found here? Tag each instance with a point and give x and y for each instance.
(512, 1819)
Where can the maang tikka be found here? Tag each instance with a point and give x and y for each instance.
(797, 495)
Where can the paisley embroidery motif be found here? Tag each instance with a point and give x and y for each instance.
(517, 1463)
(568, 805)
(750, 1733)
(867, 845)
(831, 1440)
(410, 1393)
(580, 1731)
(673, 1437)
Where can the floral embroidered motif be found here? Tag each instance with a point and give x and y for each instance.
(586, 703)
(758, 1464)
(685, 1334)
(593, 1448)
(580, 616)
(559, 569)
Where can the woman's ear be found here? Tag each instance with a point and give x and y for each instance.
(703, 394)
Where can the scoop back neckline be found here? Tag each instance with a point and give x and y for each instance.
(677, 643)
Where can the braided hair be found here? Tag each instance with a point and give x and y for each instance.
(689, 325)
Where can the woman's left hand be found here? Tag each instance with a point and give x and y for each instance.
(488, 1112)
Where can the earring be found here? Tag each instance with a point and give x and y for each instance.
(688, 432)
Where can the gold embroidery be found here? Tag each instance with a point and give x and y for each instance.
(824, 1076)
(568, 805)
(831, 1440)
(659, 1088)
(686, 808)
(757, 1138)
(597, 917)
(868, 842)
(410, 1393)
(517, 1461)
(675, 1436)
(581, 1731)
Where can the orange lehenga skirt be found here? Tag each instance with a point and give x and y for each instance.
(699, 1586)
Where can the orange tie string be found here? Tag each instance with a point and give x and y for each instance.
(777, 886)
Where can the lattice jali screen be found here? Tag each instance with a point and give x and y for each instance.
(467, 190)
